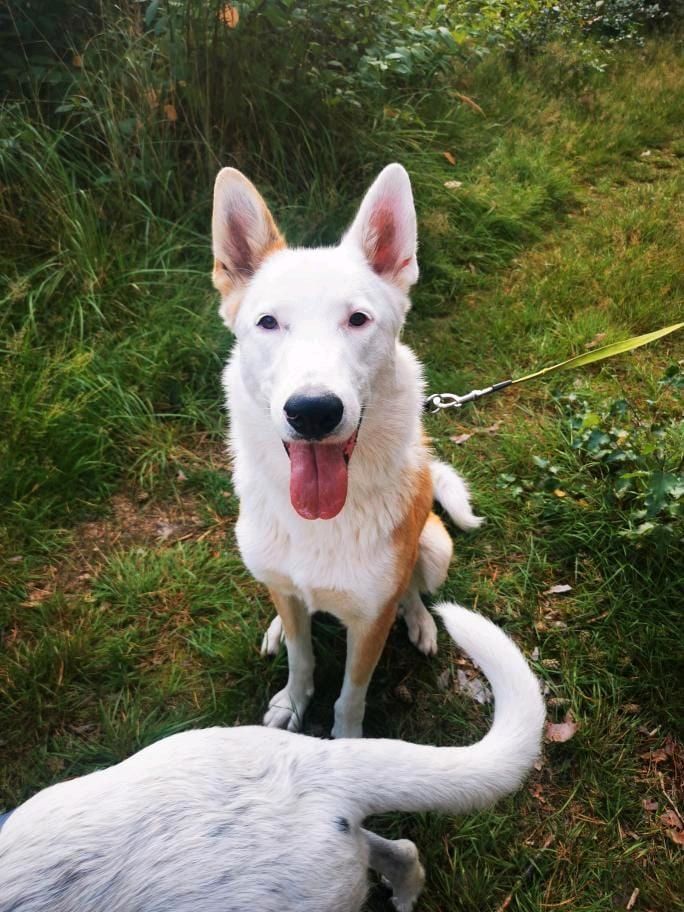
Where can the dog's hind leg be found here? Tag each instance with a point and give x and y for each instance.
(286, 709)
(422, 629)
(396, 860)
(434, 554)
(435, 549)
(273, 638)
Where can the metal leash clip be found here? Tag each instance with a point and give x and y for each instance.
(438, 401)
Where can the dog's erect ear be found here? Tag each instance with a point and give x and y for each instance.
(385, 228)
(243, 234)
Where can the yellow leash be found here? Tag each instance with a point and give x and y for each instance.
(438, 401)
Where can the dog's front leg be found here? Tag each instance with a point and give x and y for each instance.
(286, 709)
(365, 642)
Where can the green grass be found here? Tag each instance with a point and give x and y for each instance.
(126, 613)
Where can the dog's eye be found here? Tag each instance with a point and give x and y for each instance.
(358, 319)
(268, 322)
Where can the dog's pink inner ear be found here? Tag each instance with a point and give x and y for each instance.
(242, 257)
(381, 240)
(385, 228)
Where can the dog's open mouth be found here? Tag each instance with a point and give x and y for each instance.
(319, 475)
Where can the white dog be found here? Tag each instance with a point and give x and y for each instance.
(255, 820)
(334, 477)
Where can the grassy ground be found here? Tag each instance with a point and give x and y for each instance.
(126, 613)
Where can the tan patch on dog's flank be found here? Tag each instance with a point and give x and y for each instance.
(406, 537)
(407, 534)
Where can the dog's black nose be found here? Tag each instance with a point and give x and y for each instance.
(314, 417)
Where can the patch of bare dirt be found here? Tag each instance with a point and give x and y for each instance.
(134, 519)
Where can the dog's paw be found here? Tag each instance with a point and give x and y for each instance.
(286, 711)
(422, 629)
(407, 884)
(273, 638)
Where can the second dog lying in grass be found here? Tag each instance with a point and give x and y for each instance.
(256, 820)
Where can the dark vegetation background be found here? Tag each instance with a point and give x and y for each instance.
(545, 147)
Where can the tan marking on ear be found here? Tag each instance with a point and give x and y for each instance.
(220, 278)
(231, 291)
(405, 542)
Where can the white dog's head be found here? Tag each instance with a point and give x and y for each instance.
(315, 326)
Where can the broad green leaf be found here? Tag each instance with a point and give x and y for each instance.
(663, 485)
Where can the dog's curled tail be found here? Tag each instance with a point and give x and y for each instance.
(452, 492)
(383, 775)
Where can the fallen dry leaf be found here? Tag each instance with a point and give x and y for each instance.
(229, 15)
(671, 818)
(649, 804)
(559, 492)
(559, 589)
(468, 101)
(450, 157)
(676, 836)
(561, 731)
(453, 185)
(491, 429)
(656, 756)
(670, 746)
(537, 792)
(599, 337)
(166, 530)
(171, 113)
(36, 596)
(77, 61)
(474, 687)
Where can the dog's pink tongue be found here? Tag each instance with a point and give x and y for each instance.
(318, 479)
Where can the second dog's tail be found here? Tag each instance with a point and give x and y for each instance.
(452, 492)
(376, 776)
